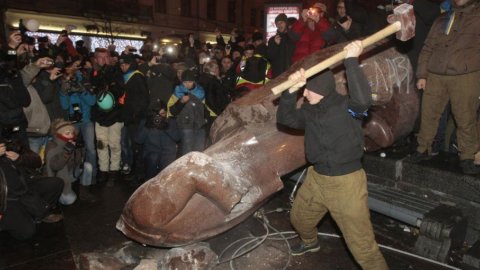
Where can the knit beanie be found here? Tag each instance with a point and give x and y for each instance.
(281, 17)
(257, 36)
(59, 126)
(188, 76)
(320, 6)
(322, 83)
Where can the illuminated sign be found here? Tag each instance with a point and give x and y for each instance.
(272, 11)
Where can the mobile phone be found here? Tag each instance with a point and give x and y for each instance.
(342, 19)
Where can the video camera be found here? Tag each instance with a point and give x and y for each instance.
(157, 118)
(8, 138)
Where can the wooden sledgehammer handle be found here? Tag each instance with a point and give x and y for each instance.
(385, 32)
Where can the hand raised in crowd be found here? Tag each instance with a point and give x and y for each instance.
(305, 14)
(185, 99)
(299, 78)
(347, 24)
(55, 73)
(3, 149)
(153, 61)
(314, 16)
(354, 49)
(61, 39)
(14, 39)
(421, 84)
(22, 48)
(13, 156)
(278, 39)
(217, 32)
(44, 62)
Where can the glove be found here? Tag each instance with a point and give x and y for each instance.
(69, 148)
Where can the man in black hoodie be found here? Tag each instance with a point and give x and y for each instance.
(336, 181)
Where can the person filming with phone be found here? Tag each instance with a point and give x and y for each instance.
(345, 28)
(309, 30)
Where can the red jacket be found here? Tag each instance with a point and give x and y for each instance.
(310, 41)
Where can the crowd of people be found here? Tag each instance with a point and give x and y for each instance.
(68, 112)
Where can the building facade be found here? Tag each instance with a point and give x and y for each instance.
(166, 20)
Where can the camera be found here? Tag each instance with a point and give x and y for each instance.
(228, 47)
(342, 19)
(43, 39)
(157, 121)
(132, 50)
(77, 115)
(7, 138)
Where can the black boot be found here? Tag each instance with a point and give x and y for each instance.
(102, 177)
(112, 178)
(468, 167)
(85, 194)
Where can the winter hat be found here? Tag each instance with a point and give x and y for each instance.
(188, 76)
(250, 47)
(257, 36)
(59, 126)
(281, 18)
(240, 39)
(322, 83)
(127, 59)
(320, 6)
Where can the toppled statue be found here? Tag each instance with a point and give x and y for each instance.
(204, 194)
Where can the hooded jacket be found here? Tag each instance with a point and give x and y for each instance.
(333, 138)
(62, 164)
(310, 41)
(280, 55)
(452, 46)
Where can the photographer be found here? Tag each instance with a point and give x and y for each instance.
(107, 83)
(64, 46)
(160, 138)
(78, 101)
(345, 28)
(309, 28)
(29, 199)
(64, 159)
(13, 92)
(281, 46)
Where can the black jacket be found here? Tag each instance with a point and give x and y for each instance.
(108, 77)
(280, 55)
(216, 95)
(333, 137)
(48, 91)
(17, 172)
(160, 80)
(136, 99)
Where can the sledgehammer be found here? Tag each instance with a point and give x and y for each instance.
(402, 22)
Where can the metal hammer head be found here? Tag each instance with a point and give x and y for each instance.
(404, 14)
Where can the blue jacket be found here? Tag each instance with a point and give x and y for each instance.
(84, 98)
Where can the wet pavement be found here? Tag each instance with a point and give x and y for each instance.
(91, 228)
